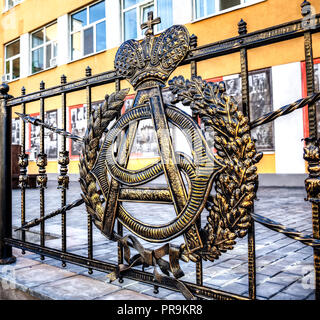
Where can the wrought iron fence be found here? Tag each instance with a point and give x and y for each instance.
(241, 43)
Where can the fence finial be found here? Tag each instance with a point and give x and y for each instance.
(305, 8)
(88, 72)
(63, 79)
(193, 41)
(242, 27)
(42, 85)
(4, 89)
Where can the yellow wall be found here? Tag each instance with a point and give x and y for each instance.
(33, 14)
(24, 18)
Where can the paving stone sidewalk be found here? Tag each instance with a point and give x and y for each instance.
(284, 266)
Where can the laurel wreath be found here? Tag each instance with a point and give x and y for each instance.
(98, 124)
(229, 211)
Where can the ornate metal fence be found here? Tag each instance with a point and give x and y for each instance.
(147, 65)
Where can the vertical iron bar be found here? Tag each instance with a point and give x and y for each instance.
(63, 180)
(316, 251)
(23, 163)
(305, 11)
(42, 177)
(119, 224)
(193, 65)
(312, 184)
(89, 110)
(313, 131)
(242, 29)
(6, 256)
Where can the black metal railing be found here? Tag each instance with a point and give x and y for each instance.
(241, 43)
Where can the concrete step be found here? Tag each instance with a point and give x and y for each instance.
(29, 279)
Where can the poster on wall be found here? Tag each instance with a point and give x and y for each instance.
(260, 95)
(260, 92)
(78, 125)
(233, 88)
(16, 131)
(50, 138)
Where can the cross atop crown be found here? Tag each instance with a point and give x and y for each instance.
(149, 25)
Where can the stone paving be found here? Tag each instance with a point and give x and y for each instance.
(284, 266)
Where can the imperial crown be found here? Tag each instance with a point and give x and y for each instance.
(154, 58)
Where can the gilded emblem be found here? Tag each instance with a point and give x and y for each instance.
(106, 181)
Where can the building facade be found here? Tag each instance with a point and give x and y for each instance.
(43, 40)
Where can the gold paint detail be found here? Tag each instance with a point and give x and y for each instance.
(236, 186)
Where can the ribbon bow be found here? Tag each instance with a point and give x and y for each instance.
(147, 257)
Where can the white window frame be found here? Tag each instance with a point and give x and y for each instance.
(243, 4)
(82, 29)
(44, 45)
(15, 2)
(139, 7)
(10, 62)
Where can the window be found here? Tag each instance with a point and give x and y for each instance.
(135, 12)
(11, 3)
(44, 48)
(204, 8)
(88, 30)
(12, 61)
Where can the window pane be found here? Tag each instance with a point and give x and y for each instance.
(12, 49)
(210, 7)
(37, 60)
(129, 3)
(225, 4)
(97, 12)
(37, 38)
(199, 8)
(88, 41)
(204, 8)
(76, 45)
(130, 24)
(101, 36)
(10, 4)
(51, 32)
(144, 15)
(165, 12)
(55, 49)
(145, 11)
(48, 55)
(16, 68)
(7, 66)
(79, 20)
